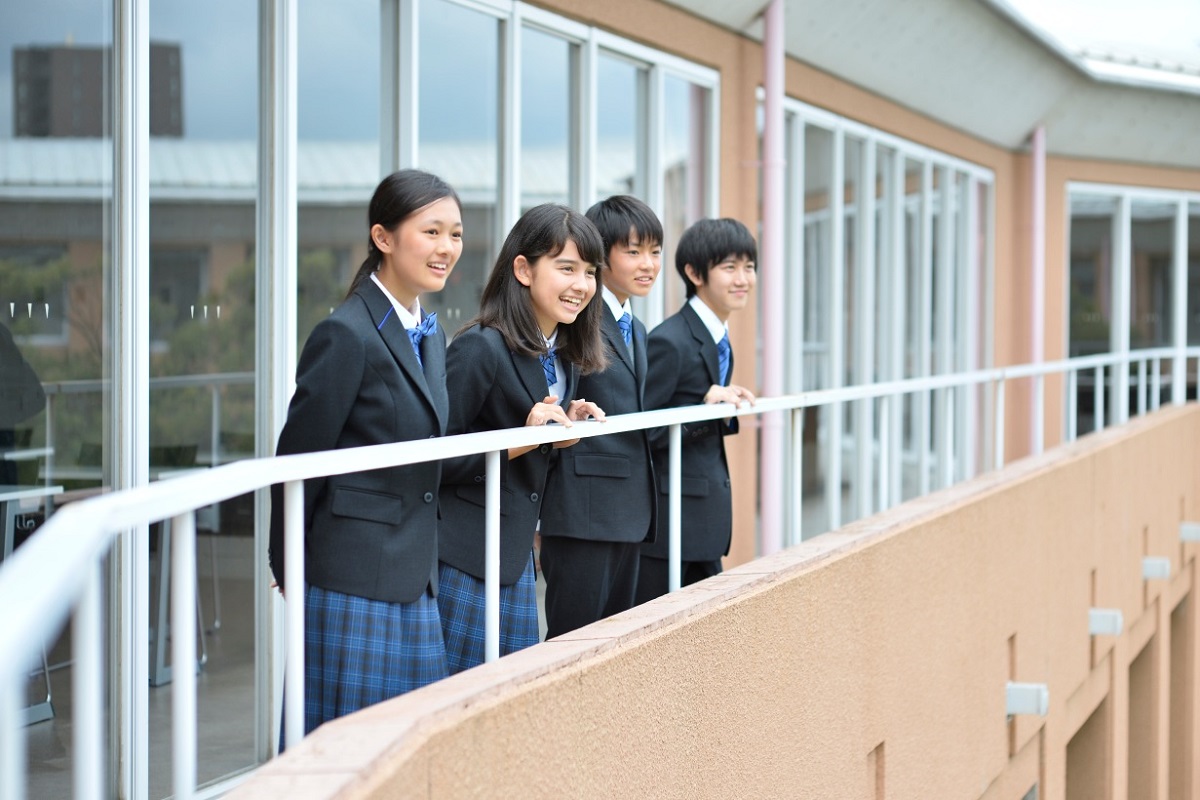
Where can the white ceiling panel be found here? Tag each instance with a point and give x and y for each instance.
(976, 66)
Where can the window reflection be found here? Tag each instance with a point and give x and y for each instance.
(203, 181)
(459, 141)
(685, 169)
(620, 128)
(546, 148)
(1150, 295)
(54, 312)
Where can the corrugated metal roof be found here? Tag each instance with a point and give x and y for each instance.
(326, 171)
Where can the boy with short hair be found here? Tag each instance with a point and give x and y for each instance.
(600, 502)
(690, 362)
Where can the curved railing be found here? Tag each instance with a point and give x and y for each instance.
(56, 575)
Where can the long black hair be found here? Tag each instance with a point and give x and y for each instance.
(507, 306)
(396, 198)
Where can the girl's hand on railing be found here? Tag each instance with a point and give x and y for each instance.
(733, 394)
(546, 412)
(581, 409)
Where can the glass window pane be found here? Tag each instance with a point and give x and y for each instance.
(816, 269)
(459, 141)
(55, 312)
(620, 127)
(1193, 280)
(684, 165)
(1091, 246)
(818, 172)
(203, 180)
(546, 155)
(852, 210)
(339, 156)
(1091, 243)
(1150, 295)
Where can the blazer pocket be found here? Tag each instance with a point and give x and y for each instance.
(368, 505)
(603, 466)
(688, 487)
(474, 494)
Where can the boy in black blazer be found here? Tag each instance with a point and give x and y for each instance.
(690, 362)
(600, 500)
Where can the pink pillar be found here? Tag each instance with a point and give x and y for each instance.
(772, 274)
(1037, 240)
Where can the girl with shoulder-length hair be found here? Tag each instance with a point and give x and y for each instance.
(517, 363)
(374, 372)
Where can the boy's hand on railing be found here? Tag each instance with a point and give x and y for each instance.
(275, 585)
(733, 394)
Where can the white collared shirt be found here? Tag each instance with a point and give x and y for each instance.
(716, 328)
(409, 317)
(560, 374)
(615, 306)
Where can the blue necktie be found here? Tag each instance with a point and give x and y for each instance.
(415, 335)
(625, 323)
(723, 358)
(548, 368)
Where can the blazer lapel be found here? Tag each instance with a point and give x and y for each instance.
(533, 377)
(433, 354)
(639, 360)
(708, 348)
(394, 335)
(616, 342)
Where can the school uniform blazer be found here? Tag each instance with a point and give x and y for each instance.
(602, 488)
(683, 365)
(492, 388)
(371, 534)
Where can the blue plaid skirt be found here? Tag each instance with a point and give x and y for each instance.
(358, 651)
(461, 602)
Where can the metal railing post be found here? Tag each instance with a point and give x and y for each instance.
(999, 432)
(1141, 395)
(795, 531)
(885, 448)
(491, 567)
(293, 568)
(183, 655)
(1072, 405)
(1098, 399)
(1155, 384)
(674, 466)
(87, 683)
(12, 735)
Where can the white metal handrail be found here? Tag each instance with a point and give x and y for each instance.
(57, 573)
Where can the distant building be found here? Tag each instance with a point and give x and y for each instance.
(59, 91)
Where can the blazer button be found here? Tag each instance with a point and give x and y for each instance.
(429, 497)
(479, 479)
(545, 448)
(534, 497)
(727, 483)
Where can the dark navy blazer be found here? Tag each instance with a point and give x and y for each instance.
(358, 382)
(683, 365)
(602, 488)
(492, 388)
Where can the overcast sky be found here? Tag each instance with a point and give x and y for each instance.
(1159, 28)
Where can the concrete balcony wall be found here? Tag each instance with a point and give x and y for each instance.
(866, 663)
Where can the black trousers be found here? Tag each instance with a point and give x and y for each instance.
(653, 576)
(586, 581)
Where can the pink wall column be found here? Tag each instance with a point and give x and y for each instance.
(772, 282)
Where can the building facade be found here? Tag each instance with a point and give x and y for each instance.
(980, 203)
